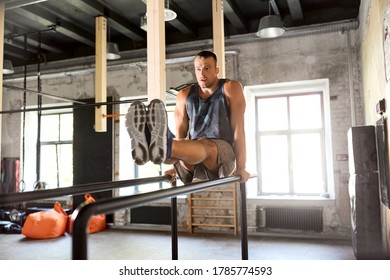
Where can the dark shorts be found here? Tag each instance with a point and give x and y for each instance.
(226, 162)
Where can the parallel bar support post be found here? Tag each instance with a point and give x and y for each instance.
(244, 227)
(175, 247)
(79, 236)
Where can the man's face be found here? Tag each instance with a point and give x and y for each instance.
(206, 71)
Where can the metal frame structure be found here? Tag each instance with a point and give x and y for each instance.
(83, 213)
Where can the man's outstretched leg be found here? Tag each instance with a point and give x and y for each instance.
(136, 125)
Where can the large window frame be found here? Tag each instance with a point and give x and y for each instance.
(283, 145)
(287, 89)
(30, 142)
(56, 168)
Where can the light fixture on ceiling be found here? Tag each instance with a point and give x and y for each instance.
(168, 13)
(270, 26)
(7, 67)
(112, 48)
(112, 51)
(168, 16)
(143, 22)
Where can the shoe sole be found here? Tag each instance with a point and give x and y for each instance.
(157, 122)
(135, 124)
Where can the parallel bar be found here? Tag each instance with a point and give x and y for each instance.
(14, 198)
(79, 235)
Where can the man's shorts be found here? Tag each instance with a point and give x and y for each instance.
(226, 162)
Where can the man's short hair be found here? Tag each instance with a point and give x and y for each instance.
(207, 54)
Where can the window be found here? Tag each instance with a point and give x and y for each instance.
(290, 146)
(289, 126)
(55, 146)
(56, 168)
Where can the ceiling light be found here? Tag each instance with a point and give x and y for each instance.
(112, 51)
(168, 13)
(7, 67)
(168, 16)
(143, 22)
(270, 26)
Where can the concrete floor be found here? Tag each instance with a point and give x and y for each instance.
(115, 244)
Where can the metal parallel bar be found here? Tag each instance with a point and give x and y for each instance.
(244, 228)
(174, 243)
(79, 234)
(15, 198)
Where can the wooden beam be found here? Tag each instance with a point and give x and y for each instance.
(219, 35)
(156, 50)
(101, 73)
(2, 16)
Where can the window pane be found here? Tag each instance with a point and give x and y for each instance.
(48, 172)
(49, 128)
(65, 161)
(66, 128)
(272, 114)
(305, 111)
(274, 164)
(307, 163)
(57, 160)
(149, 169)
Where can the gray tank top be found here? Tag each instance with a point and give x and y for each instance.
(209, 118)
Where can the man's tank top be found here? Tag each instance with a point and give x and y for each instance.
(209, 118)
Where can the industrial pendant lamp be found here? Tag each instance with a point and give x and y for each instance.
(143, 22)
(112, 48)
(168, 13)
(112, 51)
(168, 16)
(270, 26)
(7, 67)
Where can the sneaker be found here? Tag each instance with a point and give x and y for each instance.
(135, 124)
(157, 121)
